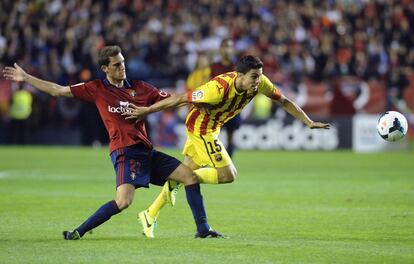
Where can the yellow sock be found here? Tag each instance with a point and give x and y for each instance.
(207, 175)
(157, 205)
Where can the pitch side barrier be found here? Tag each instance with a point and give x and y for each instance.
(275, 134)
(357, 133)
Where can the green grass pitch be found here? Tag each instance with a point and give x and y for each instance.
(284, 207)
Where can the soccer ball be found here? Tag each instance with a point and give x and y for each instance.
(392, 126)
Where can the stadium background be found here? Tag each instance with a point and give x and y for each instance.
(337, 59)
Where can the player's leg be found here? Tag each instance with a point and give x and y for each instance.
(168, 194)
(136, 170)
(172, 187)
(149, 216)
(169, 168)
(196, 155)
(188, 161)
(230, 145)
(185, 175)
(210, 152)
(231, 126)
(125, 168)
(124, 197)
(222, 175)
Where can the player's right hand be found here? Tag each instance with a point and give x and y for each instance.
(135, 112)
(15, 73)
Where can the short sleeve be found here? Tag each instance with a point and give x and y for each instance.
(84, 91)
(211, 93)
(267, 88)
(154, 94)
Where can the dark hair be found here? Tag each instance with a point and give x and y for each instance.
(224, 41)
(106, 52)
(247, 63)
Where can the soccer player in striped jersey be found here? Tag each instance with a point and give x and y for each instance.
(135, 161)
(212, 105)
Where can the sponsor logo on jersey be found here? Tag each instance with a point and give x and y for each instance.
(197, 95)
(122, 108)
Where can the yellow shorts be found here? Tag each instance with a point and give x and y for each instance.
(206, 151)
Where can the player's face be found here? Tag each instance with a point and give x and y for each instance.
(250, 80)
(116, 67)
(227, 50)
(203, 62)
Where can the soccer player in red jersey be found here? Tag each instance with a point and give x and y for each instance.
(226, 64)
(135, 161)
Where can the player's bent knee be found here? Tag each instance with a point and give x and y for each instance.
(123, 204)
(228, 176)
(190, 179)
(231, 177)
(184, 175)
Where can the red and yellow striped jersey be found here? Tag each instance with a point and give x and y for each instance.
(217, 101)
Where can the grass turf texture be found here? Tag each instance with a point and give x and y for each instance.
(285, 207)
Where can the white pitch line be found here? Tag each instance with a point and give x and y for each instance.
(39, 176)
(4, 174)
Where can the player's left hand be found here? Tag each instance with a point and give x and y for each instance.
(317, 125)
(135, 112)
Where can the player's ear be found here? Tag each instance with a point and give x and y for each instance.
(104, 68)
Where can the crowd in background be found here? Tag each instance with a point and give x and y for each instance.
(58, 40)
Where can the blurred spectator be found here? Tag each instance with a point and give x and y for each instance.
(92, 128)
(5, 98)
(262, 107)
(160, 37)
(19, 113)
(340, 105)
(295, 39)
(201, 74)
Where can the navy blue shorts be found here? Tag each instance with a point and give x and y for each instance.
(233, 124)
(138, 165)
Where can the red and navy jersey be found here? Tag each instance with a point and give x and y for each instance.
(112, 102)
(218, 68)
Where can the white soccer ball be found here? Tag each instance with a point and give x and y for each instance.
(392, 126)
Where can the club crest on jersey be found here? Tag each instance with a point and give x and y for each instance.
(218, 157)
(197, 95)
(132, 93)
(124, 104)
(133, 176)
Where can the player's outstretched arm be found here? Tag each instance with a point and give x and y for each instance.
(17, 74)
(293, 109)
(139, 113)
